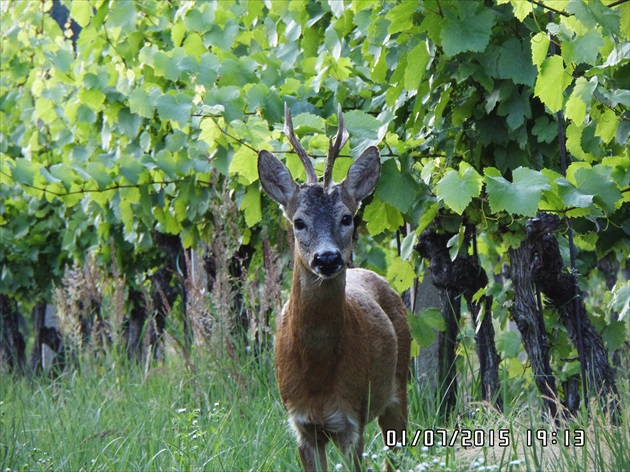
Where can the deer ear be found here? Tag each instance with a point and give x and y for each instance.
(275, 178)
(363, 175)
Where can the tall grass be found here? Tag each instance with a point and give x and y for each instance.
(110, 415)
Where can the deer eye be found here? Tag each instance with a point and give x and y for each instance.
(299, 224)
(346, 220)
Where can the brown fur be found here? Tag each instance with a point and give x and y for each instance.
(342, 345)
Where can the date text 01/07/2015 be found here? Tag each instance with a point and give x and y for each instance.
(486, 438)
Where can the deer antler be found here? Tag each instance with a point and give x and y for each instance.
(334, 148)
(311, 176)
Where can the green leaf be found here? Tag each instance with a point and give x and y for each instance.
(417, 61)
(45, 110)
(540, 46)
(81, 12)
(550, 83)
(167, 161)
(359, 5)
(545, 130)
(607, 124)
(584, 49)
(401, 17)
(362, 125)
(427, 217)
(178, 32)
(306, 123)
(63, 173)
(222, 38)
(93, 98)
(592, 13)
(614, 335)
(199, 19)
(423, 324)
(24, 171)
(175, 107)
(245, 163)
(433, 318)
(210, 132)
(131, 168)
(521, 9)
(48, 176)
(457, 189)
(518, 197)
(99, 173)
(509, 342)
(398, 189)
(598, 182)
(514, 366)
(141, 103)
(621, 300)
(468, 30)
(122, 15)
(516, 107)
(571, 196)
(515, 62)
(400, 274)
(580, 97)
(420, 331)
(251, 206)
(381, 216)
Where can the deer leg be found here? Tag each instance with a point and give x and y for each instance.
(392, 419)
(313, 457)
(358, 451)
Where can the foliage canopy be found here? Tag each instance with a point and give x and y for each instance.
(133, 125)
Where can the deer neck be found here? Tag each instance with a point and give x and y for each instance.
(317, 309)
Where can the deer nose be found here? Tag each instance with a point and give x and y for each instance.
(327, 263)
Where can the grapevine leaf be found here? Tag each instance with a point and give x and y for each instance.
(540, 46)
(401, 17)
(421, 332)
(141, 104)
(81, 12)
(468, 30)
(417, 61)
(362, 125)
(400, 274)
(593, 14)
(598, 183)
(550, 83)
(521, 9)
(515, 62)
(381, 216)
(175, 107)
(245, 163)
(251, 206)
(509, 342)
(518, 197)
(397, 189)
(424, 324)
(621, 300)
(584, 49)
(24, 171)
(457, 189)
(614, 334)
(545, 130)
(607, 125)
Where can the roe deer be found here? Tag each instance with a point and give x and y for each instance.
(342, 343)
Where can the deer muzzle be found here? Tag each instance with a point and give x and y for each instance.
(328, 263)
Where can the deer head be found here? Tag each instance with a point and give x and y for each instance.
(322, 214)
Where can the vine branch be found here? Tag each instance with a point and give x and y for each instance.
(547, 7)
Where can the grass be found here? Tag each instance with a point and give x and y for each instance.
(227, 416)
